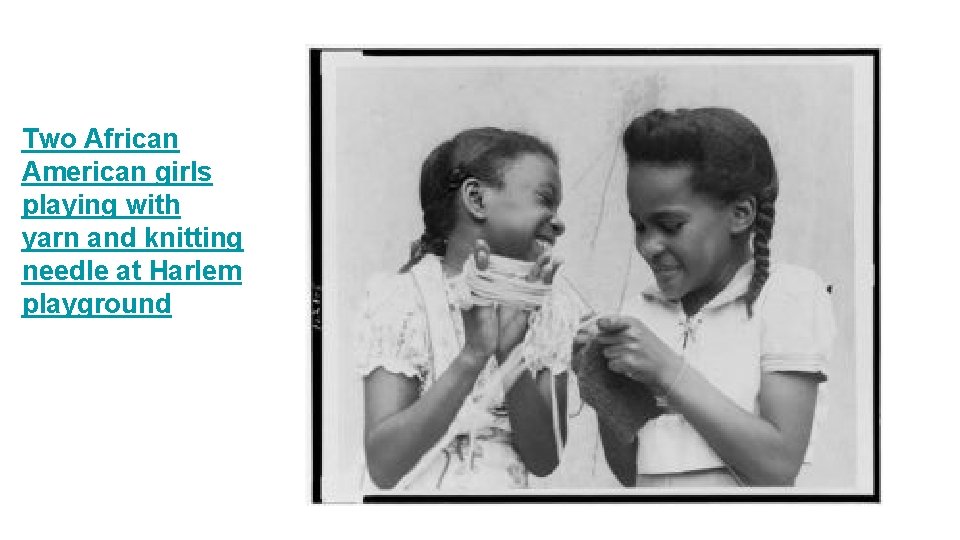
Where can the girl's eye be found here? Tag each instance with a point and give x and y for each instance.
(546, 199)
(639, 227)
(671, 227)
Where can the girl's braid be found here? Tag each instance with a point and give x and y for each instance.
(763, 230)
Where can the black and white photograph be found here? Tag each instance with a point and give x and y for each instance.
(621, 274)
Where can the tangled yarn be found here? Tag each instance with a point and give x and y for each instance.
(503, 282)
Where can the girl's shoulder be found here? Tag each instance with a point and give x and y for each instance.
(386, 288)
(789, 282)
(400, 299)
(796, 300)
(391, 327)
(391, 297)
(796, 320)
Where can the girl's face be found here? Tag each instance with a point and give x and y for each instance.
(685, 237)
(522, 214)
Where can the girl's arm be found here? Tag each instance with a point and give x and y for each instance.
(766, 448)
(529, 400)
(401, 425)
(531, 419)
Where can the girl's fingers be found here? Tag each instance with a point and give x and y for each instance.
(581, 339)
(612, 339)
(588, 323)
(615, 364)
(551, 270)
(612, 324)
(536, 272)
(582, 335)
(618, 365)
(611, 352)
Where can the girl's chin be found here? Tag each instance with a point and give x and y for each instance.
(531, 253)
(672, 295)
(670, 289)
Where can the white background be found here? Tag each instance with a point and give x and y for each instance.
(384, 115)
(198, 427)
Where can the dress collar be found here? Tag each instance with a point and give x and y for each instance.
(735, 289)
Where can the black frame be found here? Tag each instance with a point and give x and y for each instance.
(316, 178)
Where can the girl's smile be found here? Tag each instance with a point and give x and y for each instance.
(522, 220)
(685, 237)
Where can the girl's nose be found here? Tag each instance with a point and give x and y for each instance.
(649, 246)
(557, 225)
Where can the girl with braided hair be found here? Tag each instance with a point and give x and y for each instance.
(436, 414)
(733, 345)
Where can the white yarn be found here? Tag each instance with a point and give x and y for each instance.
(504, 282)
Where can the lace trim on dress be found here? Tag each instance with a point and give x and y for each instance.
(392, 329)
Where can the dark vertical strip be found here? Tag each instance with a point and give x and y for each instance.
(316, 264)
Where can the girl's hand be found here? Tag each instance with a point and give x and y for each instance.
(498, 329)
(481, 326)
(635, 351)
(513, 321)
(587, 331)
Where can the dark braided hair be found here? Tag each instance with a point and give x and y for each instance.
(479, 153)
(730, 158)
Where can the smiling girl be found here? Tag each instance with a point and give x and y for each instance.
(423, 356)
(735, 345)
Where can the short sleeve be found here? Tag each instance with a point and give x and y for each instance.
(549, 342)
(797, 322)
(392, 329)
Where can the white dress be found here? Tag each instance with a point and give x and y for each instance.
(410, 325)
(792, 330)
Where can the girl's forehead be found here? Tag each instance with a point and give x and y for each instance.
(530, 170)
(659, 181)
(656, 187)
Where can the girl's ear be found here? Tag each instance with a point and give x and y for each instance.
(743, 212)
(472, 196)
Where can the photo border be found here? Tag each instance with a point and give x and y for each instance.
(316, 179)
